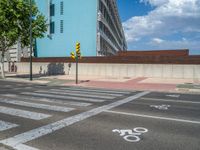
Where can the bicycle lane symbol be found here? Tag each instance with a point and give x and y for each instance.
(131, 135)
(161, 107)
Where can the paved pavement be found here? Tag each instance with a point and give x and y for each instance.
(42, 117)
(127, 83)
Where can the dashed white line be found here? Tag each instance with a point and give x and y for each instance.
(170, 100)
(6, 125)
(19, 140)
(23, 113)
(154, 117)
(173, 95)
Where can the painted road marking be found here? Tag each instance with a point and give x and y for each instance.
(29, 87)
(23, 113)
(97, 90)
(19, 140)
(7, 86)
(34, 105)
(85, 92)
(197, 87)
(131, 135)
(169, 100)
(24, 147)
(76, 94)
(154, 117)
(161, 107)
(63, 97)
(173, 95)
(26, 98)
(6, 125)
(17, 88)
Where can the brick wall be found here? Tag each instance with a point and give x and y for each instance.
(126, 59)
(182, 52)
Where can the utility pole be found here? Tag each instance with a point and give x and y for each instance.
(31, 73)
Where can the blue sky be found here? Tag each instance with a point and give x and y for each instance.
(161, 24)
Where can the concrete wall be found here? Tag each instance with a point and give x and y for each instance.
(115, 70)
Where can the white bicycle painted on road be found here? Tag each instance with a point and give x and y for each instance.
(131, 135)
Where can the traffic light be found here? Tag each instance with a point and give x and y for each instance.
(78, 48)
(78, 53)
(72, 55)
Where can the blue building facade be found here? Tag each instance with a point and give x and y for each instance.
(71, 21)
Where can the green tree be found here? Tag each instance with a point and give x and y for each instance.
(15, 25)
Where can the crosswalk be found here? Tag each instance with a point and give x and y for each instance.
(60, 100)
(35, 105)
(63, 97)
(23, 113)
(96, 90)
(78, 94)
(86, 92)
(46, 100)
(6, 125)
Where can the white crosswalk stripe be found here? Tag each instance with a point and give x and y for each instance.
(48, 100)
(97, 90)
(76, 94)
(18, 141)
(23, 113)
(7, 86)
(6, 125)
(85, 92)
(63, 97)
(34, 105)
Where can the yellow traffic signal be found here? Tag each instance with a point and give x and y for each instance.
(72, 55)
(78, 47)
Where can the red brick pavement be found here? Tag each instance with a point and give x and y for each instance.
(133, 84)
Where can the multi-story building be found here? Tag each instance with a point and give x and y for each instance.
(93, 23)
(15, 53)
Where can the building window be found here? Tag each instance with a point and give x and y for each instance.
(61, 26)
(52, 10)
(52, 27)
(61, 8)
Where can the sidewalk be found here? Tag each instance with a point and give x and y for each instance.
(137, 83)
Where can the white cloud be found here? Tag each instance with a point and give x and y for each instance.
(169, 17)
(169, 44)
(157, 40)
(154, 2)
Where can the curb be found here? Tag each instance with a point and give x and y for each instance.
(22, 80)
(187, 90)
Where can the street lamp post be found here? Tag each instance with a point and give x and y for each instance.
(31, 76)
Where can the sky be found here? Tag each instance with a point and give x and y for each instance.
(161, 24)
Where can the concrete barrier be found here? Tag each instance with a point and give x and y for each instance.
(115, 70)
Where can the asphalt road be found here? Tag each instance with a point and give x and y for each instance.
(38, 117)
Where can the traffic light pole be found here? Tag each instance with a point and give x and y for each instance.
(76, 69)
(31, 74)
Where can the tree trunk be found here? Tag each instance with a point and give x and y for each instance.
(2, 68)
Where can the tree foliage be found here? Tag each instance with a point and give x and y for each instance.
(38, 23)
(15, 23)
